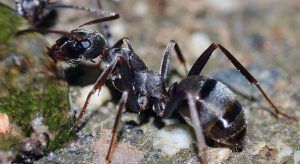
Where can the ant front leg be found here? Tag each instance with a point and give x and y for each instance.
(127, 95)
(126, 83)
(204, 57)
(113, 140)
(165, 64)
(99, 83)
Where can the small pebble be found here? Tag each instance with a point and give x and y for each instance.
(140, 8)
(4, 124)
(96, 101)
(218, 155)
(88, 137)
(171, 139)
(198, 43)
(38, 125)
(284, 152)
(225, 6)
(118, 29)
(297, 156)
(51, 156)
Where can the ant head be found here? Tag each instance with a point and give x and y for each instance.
(32, 10)
(78, 45)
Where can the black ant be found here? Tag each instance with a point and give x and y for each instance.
(209, 106)
(39, 12)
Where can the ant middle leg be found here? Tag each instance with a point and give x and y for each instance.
(123, 41)
(204, 57)
(126, 82)
(127, 97)
(165, 64)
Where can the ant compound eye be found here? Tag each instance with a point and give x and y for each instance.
(85, 43)
(76, 46)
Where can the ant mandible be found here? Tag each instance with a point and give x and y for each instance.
(209, 106)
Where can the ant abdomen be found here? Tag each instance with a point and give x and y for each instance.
(220, 114)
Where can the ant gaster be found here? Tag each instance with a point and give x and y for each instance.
(209, 106)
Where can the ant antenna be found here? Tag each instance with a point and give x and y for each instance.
(98, 12)
(100, 20)
(40, 30)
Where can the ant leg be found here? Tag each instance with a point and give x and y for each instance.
(202, 60)
(124, 41)
(99, 83)
(194, 120)
(127, 97)
(202, 147)
(126, 82)
(164, 69)
(113, 140)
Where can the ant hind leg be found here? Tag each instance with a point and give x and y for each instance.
(204, 57)
(202, 147)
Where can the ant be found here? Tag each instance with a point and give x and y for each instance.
(37, 12)
(209, 106)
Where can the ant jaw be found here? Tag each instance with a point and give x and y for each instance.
(58, 56)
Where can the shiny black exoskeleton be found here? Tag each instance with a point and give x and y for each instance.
(209, 106)
(78, 45)
(221, 116)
